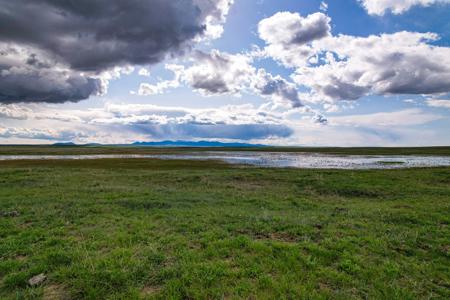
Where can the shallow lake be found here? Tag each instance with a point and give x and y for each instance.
(273, 159)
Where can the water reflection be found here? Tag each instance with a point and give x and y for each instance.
(273, 159)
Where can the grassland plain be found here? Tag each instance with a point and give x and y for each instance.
(130, 229)
(98, 149)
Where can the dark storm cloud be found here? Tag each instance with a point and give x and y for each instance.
(89, 36)
(34, 77)
(41, 87)
(95, 35)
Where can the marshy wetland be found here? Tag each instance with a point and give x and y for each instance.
(270, 159)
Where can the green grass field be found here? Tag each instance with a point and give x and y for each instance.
(131, 229)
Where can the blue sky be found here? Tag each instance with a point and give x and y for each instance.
(281, 72)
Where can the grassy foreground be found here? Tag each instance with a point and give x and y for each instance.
(130, 229)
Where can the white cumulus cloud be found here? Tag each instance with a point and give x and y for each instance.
(288, 36)
(379, 7)
(344, 67)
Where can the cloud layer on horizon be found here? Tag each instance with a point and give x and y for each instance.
(126, 123)
(231, 122)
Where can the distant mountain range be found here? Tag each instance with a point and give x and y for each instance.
(174, 144)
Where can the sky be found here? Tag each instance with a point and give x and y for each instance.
(275, 72)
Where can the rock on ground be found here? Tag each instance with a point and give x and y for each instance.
(36, 280)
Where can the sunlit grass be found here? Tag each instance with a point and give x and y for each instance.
(122, 229)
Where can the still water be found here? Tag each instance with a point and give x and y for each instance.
(273, 159)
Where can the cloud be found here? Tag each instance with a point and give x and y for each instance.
(36, 112)
(346, 67)
(40, 134)
(287, 29)
(144, 72)
(217, 73)
(407, 117)
(398, 63)
(131, 114)
(34, 77)
(144, 122)
(221, 73)
(14, 112)
(210, 74)
(438, 103)
(289, 34)
(410, 101)
(146, 89)
(126, 123)
(241, 122)
(379, 7)
(60, 57)
(219, 131)
(395, 128)
(277, 88)
(320, 119)
(353, 136)
(97, 35)
(214, 12)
